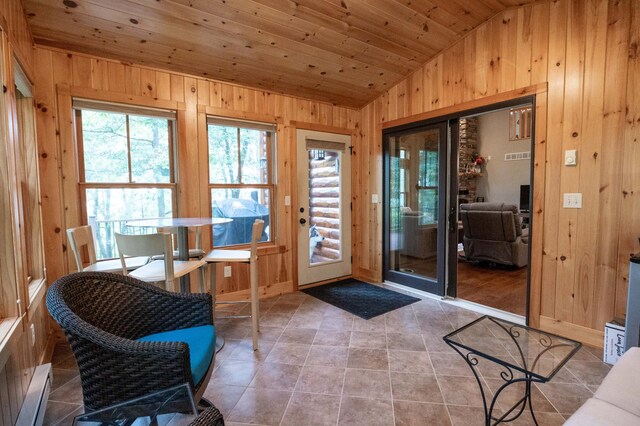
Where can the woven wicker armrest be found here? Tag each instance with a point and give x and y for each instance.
(126, 307)
(209, 417)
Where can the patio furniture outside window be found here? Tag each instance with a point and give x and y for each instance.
(241, 178)
(126, 162)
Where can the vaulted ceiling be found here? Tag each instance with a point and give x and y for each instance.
(342, 51)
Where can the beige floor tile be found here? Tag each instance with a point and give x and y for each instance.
(566, 398)
(449, 364)
(367, 384)
(312, 410)
(256, 406)
(465, 415)
(330, 356)
(57, 411)
(70, 392)
(375, 324)
(327, 337)
(410, 362)
(365, 412)
(366, 339)
(244, 351)
(405, 342)
(224, 397)
(409, 413)
(62, 376)
(460, 390)
(588, 372)
(415, 387)
(283, 308)
(298, 335)
(234, 372)
(372, 359)
(333, 322)
(288, 353)
(319, 379)
(276, 376)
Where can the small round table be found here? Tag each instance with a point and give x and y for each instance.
(182, 225)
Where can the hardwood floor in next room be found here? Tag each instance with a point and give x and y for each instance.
(498, 287)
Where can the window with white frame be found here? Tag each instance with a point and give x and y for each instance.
(241, 178)
(126, 161)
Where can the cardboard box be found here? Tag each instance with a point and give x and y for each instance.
(613, 342)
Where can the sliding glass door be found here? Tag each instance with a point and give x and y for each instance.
(415, 207)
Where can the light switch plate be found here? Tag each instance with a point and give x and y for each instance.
(287, 200)
(227, 271)
(572, 200)
(571, 157)
(374, 198)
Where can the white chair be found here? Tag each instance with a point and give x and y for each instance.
(83, 236)
(166, 270)
(194, 253)
(241, 256)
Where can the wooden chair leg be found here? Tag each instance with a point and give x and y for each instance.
(201, 280)
(212, 289)
(255, 302)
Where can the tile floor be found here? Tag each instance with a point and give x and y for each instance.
(319, 365)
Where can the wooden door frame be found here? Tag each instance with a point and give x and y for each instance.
(294, 126)
(538, 93)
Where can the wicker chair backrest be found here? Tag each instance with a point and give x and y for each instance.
(116, 304)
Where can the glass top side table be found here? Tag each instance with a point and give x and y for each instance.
(523, 355)
(173, 406)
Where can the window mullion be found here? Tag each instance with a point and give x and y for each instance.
(239, 156)
(129, 150)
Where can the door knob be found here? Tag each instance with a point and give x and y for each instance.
(303, 221)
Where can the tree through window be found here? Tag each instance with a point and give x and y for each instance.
(126, 168)
(240, 178)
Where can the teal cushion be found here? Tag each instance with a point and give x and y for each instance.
(202, 344)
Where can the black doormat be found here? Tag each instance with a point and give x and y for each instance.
(359, 298)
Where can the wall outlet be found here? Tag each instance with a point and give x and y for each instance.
(572, 200)
(227, 271)
(287, 200)
(374, 198)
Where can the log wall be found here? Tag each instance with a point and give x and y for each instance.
(583, 59)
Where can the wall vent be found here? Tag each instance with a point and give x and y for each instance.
(515, 156)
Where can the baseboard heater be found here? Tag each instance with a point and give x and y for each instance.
(35, 403)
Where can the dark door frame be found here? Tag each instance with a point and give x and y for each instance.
(449, 285)
(420, 283)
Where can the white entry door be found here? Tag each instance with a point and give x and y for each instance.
(324, 206)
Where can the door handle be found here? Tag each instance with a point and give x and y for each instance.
(452, 220)
(303, 221)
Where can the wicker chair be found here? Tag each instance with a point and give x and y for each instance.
(209, 417)
(103, 314)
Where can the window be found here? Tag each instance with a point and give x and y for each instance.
(126, 167)
(27, 172)
(240, 178)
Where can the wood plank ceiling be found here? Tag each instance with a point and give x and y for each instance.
(346, 52)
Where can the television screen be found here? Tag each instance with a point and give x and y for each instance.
(524, 198)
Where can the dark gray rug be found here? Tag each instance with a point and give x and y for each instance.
(360, 298)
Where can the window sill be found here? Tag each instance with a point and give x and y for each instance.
(35, 286)
(9, 328)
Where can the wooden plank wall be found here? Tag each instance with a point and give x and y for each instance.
(21, 354)
(587, 53)
(56, 69)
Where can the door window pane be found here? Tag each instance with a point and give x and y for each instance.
(324, 202)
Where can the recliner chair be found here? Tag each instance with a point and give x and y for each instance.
(493, 233)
